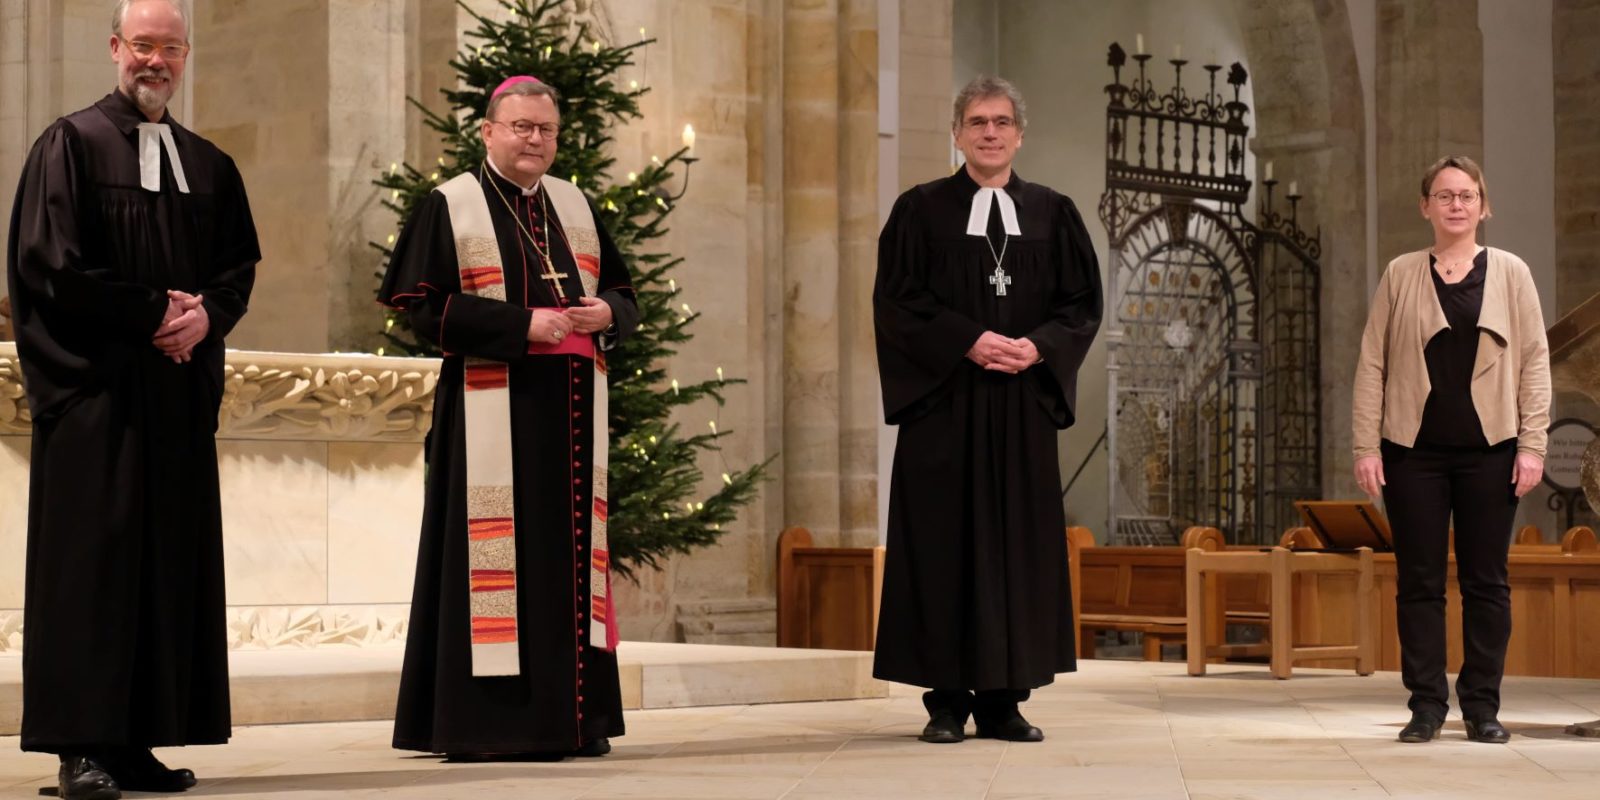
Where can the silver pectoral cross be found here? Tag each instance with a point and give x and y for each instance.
(999, 280)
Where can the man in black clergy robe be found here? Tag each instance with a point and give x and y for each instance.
(987, 298)
(132, 253)
(561, 695)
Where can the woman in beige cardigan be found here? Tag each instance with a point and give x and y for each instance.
(1452, 401)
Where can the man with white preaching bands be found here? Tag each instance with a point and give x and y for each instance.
(131, 255)
(511, 651)
(987, 298)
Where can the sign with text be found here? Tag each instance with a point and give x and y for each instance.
(1564, 458)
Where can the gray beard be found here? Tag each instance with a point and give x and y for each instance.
(151, 101)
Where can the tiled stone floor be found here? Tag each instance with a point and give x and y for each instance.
(1115, 730)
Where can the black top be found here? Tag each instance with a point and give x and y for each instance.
(92, 253)
(1449, 419)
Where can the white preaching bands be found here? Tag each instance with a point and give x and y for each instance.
(978, 225)
(153, 137)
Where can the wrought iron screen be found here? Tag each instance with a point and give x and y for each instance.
(1212, 325)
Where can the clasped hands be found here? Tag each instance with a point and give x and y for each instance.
(551, 325)
(183, 326)
(1003, 354)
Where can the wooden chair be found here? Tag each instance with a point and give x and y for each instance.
(1280, 565)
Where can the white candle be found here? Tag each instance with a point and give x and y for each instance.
(1177, 52)
(1138, 43)
(1211, 56)
(688, 137)
(1269, 171)
(1294, 188)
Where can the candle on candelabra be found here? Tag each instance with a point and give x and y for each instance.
(1177, 52)
(1294, 189)
(688, 138)
(1268, 172)
(1138, 43)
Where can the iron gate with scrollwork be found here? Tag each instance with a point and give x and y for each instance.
(1212, 324)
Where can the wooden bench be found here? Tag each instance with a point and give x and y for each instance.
(828, 597)
(1141, 590)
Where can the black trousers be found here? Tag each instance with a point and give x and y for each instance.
(1426, 489)
(989, 705)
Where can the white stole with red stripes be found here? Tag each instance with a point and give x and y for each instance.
(491, 517)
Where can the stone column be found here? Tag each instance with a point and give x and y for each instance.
(368, 78)
(860, 410)
(54, 60)
(1309, 121)
(309, 99)
(1576, 29)
(811, 238)
(263, 100)
(1430, 104)
(1576, 39)
(926, 43)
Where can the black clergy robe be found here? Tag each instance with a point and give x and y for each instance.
(568, 692)
(125, 638)
(975, 589)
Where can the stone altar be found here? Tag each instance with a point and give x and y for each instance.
(321, 464)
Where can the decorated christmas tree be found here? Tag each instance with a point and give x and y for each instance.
(655, 478)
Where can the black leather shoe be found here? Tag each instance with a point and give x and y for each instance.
(944, 729)
(84, 778)
(1488, 731)
(593, 748)
(1421, 728)
(1011, 728)
(136, 769)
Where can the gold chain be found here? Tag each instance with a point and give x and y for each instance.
(544, 215)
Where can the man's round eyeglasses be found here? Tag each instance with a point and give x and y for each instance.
(1467, 198)
(526, 129)
(169, 52)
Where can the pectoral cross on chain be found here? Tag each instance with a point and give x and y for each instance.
(999, 280)
(555, 278)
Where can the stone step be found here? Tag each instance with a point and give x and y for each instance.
(343, 684)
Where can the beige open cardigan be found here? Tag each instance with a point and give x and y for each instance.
(1510, 380)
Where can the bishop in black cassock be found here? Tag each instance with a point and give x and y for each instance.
(987, 298)
(530, 673)
(132, 254)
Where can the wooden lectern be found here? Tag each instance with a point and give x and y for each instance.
(1575, 367)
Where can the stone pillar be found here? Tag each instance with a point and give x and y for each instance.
(263, 100)
(309, 99)
(1309, 121)
(1430, 104)
(432, 40)
(860, 410)
(1576, 29)
(926, 46)
(811, 207)
(368, 55)
(54, 59)
(1576, 39)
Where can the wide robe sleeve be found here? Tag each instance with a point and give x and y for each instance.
(616, 288)
(1076, 305)
(47, 259)
(424, 279)
(920, 341)
(226, 292)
